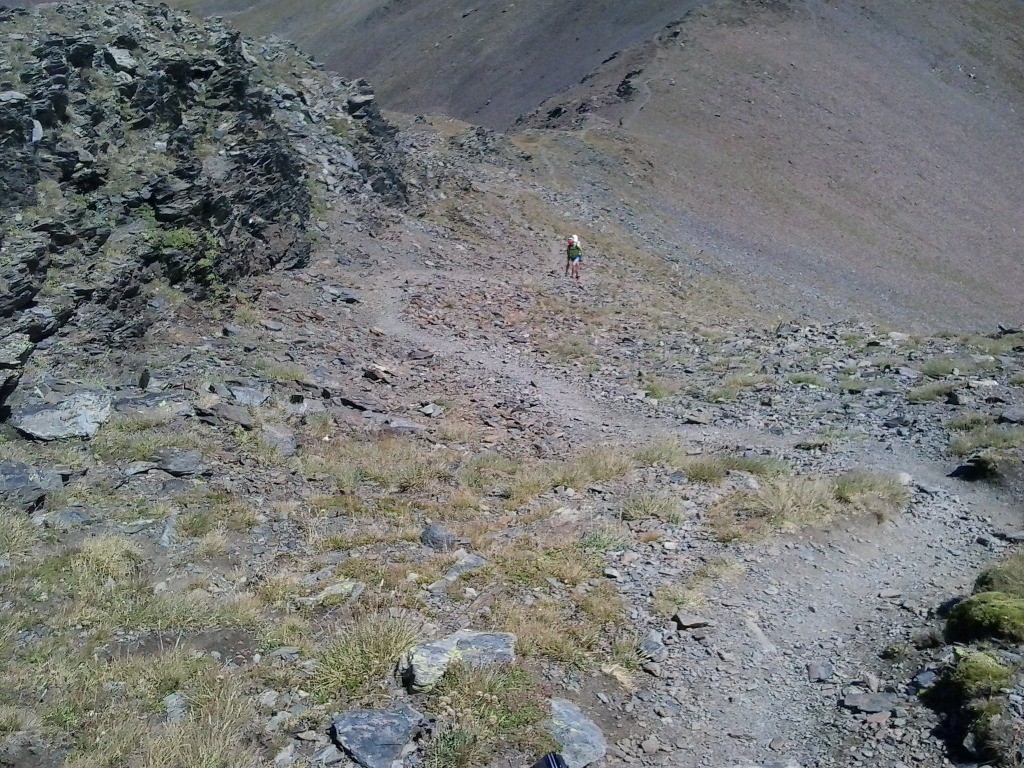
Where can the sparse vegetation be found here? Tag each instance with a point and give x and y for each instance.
(927, 393)
(363, 655)
(808, 379)
(791, 503)
(483, 710)
(987, 614)
(645, 506)
(1006, 575)
(994, 437)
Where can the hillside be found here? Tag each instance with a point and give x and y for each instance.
(310, 454)
(834, 158)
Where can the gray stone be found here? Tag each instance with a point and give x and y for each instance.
(79, 415)
(179, 463)
(15, 350)
(820, 671)
(690, 621)
(176, 706)
(436, 536)
(223, 413)
(10, 97)
(426, 664)
(66, 519)
(870, 703)
(335, 593)
(467, 562)
(1011, 416)
(282, 439)
(375, 738)
(249, 395)
(329, 755)
(120, 60)
(652, 648)
(24, 487)
(580, 740)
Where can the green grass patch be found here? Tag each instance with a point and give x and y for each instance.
(808, 379)
(987, 614)
(927, 393)
(988, 437)
(1005, 575)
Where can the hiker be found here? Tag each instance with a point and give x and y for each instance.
(573, 257)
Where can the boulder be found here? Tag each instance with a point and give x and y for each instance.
(23, 487)
(79, 415)
(580, 740)
(375, 738)
(179, 463)
(426, 664)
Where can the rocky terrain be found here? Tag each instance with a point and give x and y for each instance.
(311, 456)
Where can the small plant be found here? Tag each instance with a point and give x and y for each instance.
(968, 422)
(987, 437)
(547, 630)
(926, 393)
(606, 538)
(658, 388)
(1006, 575)
(484, 710)
(980, 674)
(646, 506)
(704, 469)
(668, 453)
(987, 614)
(808, 379)
(783, 503)
(881, 496)
(603, 604)
(363, 655)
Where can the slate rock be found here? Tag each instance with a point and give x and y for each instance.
(223, 413)
(467, 562)
(282, 438)
(249, 395)
(375, 738)
(79, 415)
(179, 463)
(436, 536)
(1011, 416)
(23, 487)
(120, 60)
(652, 648)
(820, 671)
(335, 593)
(870, 703)
(15, 350)
(580, 740)
(690, 621)
(176, 706)
(426, 664)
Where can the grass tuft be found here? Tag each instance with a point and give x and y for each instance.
(363, 655)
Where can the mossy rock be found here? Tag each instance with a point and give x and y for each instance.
(1007, 575)
(995, 731)
(980, 674)
(987, 614)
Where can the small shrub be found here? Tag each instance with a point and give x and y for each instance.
(783, 503)
(1006, 575)
(926, 393)
(979, 674)
(987, 614)
(881, 496)
(646, 506)
(606, 538)
(363, 654)
(762, 466)
(988, 437)
(705, 469)
(668, 453)
(968, 422)
(658, 388)
(487, 709)
(809, 379)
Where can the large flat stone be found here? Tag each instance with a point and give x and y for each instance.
(23, 487)
(375, 738)
(78, 415)
(426, 664)
(580, 740)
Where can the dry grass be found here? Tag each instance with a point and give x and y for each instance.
(18, 535)
(666, 453)
(690, 595)
(658, 388)
(993, 437)
(483, 711)
(792, 503)
(926, 393)
(606, 538)
(363, 655)
(647, 506)
(603, 604)
(531, 564)
(786, 504)
(969, 421)
(393, 464)
(548, 630)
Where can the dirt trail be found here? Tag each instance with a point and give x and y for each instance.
(834, 597)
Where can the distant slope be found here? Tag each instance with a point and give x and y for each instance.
(486, 62)
(865, 156)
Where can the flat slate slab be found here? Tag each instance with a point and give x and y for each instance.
(78, 415)
(426, 664)
(580, 740)
(375, 738)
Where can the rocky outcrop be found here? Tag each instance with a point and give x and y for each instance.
(138, 146)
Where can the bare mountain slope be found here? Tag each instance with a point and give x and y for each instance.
(868, 158)
(488, 62)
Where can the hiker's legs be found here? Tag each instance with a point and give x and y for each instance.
(576, 270)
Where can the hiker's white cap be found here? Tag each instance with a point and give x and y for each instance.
(575, 238)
